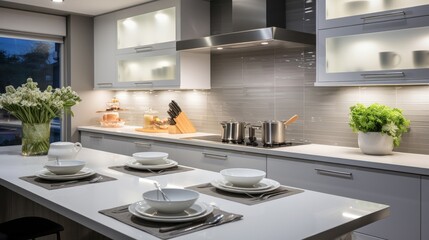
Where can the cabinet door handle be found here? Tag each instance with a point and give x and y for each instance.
(218, 156)
(384, 75)
(104, 84)
(385, 15)
(143, 144)
(334, 173)
(94, 136)
(148, 84)
(143, 49)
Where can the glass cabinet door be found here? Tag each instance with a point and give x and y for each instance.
(146, 69)
(350, 54)
(336, 13)
(147, 29)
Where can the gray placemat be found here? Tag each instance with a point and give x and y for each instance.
(123, 215)
(207, 188)
(53, 184)
(146, 173)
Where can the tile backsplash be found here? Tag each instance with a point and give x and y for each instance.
(275, 84)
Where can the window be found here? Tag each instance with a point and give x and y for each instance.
(21, 58)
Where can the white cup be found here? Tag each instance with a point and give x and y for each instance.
(389, 60)
(63, 150)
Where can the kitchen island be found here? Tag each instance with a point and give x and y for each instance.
(307, 215)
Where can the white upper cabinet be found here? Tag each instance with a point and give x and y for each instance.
(338, 13)
(365, 45)
(135, 48)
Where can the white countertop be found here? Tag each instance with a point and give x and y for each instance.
(398, 162)
(298, 216)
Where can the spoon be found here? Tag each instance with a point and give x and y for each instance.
(162, 192)
(291, 120)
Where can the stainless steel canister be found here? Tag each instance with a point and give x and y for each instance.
(233, 131)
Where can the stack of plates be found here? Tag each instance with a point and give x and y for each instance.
(134, 164)
(198, 210)
(46, 174)
(265, 185)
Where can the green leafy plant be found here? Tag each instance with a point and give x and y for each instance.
(379, 118)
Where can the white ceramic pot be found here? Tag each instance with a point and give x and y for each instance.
(375, 143)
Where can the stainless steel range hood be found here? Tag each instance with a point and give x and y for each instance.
(248, 23)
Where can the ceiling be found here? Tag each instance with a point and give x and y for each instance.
(84, 7)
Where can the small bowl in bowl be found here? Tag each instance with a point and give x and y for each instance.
(65, 167)
(243, 177)
(150, 158)
(179, 199)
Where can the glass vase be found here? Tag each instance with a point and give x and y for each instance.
(35, 138)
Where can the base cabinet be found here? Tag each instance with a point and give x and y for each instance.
(425, 208)
(124, 145)
(400, 191)
(216, 160)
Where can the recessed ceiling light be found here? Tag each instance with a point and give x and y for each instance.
(58, 1)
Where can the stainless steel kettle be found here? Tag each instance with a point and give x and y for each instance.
(233, 131)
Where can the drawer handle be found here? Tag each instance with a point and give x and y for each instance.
(334, 173)
(142, 144)
(384, 75)
(386, 15)
(212, 155)
(143, 49)
(144, 83)
(105, 84)
(93, 136)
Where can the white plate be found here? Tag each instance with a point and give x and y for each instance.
(46, 174)
(263, 184)
(134, 164)
(273, 185)
(196, 209)
(132, 209)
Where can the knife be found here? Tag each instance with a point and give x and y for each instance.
(228, 218)
(174, 108)
(176, 105)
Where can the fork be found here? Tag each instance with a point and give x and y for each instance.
(265, 196)
(155, 172)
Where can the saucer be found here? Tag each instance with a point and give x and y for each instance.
(143, 207)
(46, 174)
(134, 164)
(271, 183)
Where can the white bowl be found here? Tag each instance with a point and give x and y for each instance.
(180, 199)
(150, 158)
(243, 177)
(65, 166)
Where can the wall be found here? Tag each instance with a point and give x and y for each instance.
(80, 74)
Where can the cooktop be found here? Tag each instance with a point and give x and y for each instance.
(258, 143)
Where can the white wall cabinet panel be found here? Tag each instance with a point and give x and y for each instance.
(400, 191)
(337, 13)
(135, 48)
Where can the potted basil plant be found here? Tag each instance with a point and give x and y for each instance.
(379, 127)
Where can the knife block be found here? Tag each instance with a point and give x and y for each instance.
(184, 124)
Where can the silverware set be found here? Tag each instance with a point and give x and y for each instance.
(265, 196)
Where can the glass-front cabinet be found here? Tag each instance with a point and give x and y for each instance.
(390, 52)
(337, 13)
(135, 48)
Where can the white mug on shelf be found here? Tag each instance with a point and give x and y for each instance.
(389, 60)
(63, 150)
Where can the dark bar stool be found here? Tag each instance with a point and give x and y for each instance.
(29, 228)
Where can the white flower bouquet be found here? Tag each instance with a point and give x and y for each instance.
(36, 109)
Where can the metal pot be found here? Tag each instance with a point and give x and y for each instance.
(273, 132)
(252, 133)
(233, 131)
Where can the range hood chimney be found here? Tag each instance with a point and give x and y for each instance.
(248, 23)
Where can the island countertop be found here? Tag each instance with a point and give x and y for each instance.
(305, 215)
(397, 162)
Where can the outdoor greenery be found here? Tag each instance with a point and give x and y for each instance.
(379, 118)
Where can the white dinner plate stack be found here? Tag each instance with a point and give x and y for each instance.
(265, 185)
(46, 174)
(150, 161)
(198, 210)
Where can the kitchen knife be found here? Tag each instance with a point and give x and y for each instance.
(174, 108)
(171, 114)
(176, 105)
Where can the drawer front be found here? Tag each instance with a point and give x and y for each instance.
(400, 191)
(108, 143)
(216, 160)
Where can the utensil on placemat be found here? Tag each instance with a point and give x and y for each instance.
(210, 221)
(226, 219)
